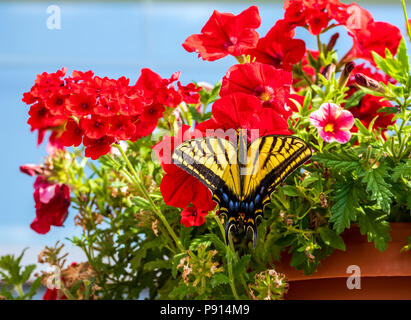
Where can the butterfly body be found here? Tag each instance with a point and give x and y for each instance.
(241, 176)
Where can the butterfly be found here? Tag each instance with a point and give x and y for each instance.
(241, 176)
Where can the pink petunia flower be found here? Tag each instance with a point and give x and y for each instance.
(333, 123)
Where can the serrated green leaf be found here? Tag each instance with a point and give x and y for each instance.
(376, 228)
(345, 162)
(378, 187)
(346, 205)
(402, 170)
(219, 279)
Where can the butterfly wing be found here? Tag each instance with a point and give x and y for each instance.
(270, 160)
(213, 161)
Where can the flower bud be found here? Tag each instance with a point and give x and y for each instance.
(369, 83)
(328, 71)
(332, 41)
(345, 74)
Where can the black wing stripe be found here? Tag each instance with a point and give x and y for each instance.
(199, 171)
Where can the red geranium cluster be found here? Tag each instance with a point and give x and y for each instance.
(99, 111)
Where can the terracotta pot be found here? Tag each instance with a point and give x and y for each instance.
(384, 275)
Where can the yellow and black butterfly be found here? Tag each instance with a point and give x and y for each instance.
(240, 176)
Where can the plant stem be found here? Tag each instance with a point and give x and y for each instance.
(230, 248)
(136, 179)
(404, 8)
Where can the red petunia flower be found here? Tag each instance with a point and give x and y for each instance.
(180, 189)
(278, 48)
(368, 106)
(97, 147)
(367, 109)
(240, 110)
(225, 34)
(52, 203)
(369, 35)
(270, 85)
(192, 216)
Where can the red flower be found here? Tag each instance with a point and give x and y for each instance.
(52, 203)
(121, 128)
(31, 169)
(369, 35)
(240, 110)
(55, 144)
(315, 14)
(152, 113)
(97, 147)
(72, 135)
(367, 109)
(106, 107)
(278, 48)
(191, 216)
(95, 127)
(189, 93)
(368, 106)
(56, 104)
(270, 85)
(317, 22)
(180, 189)
(225, 34)
(41, 118)
(81, 104)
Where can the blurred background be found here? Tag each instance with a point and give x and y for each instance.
(113, 39)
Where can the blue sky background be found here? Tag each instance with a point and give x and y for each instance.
(112, 39)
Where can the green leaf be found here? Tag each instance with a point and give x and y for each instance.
(388, 110)
(361, 128)
(240, 266)
(291, 191)
(345, 162)
(346, 205)
(140, 202)
(157, 264)
(197, 117)
(376, 228)
(354, 99)
(219, 279)
(331, 238)
(402, 170)
(402, 57)
(378, 187)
